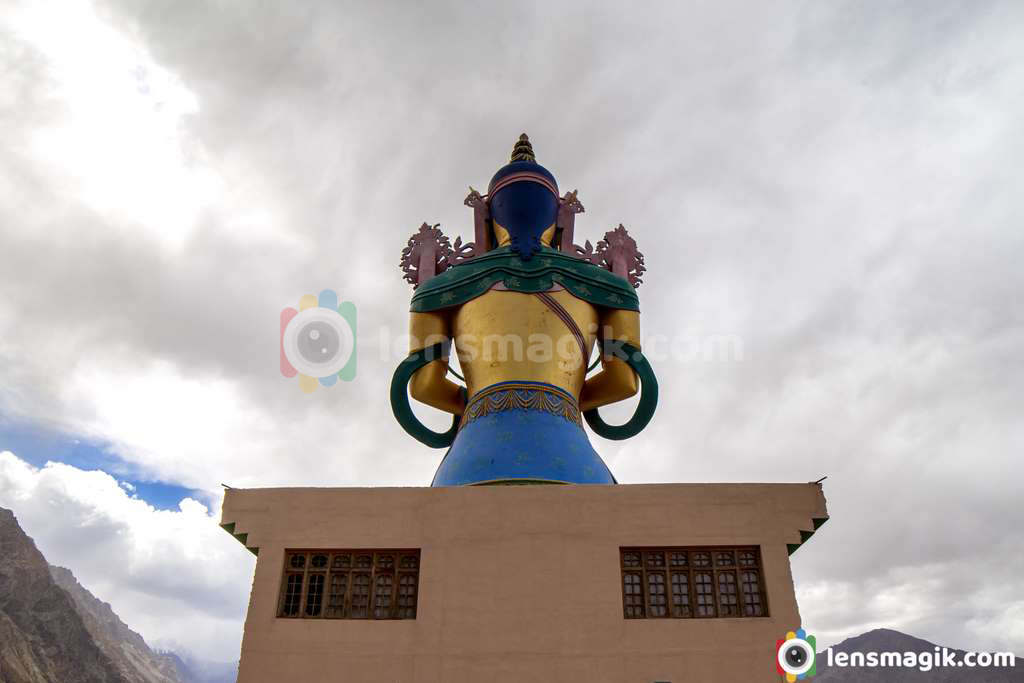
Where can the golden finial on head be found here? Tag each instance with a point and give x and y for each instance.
(523, 151)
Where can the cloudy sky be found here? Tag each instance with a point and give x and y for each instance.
(837, 183)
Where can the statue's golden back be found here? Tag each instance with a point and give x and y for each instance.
(504, 336)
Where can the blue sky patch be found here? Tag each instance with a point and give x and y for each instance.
(37, 446)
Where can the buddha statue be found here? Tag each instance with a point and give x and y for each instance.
(526, 311)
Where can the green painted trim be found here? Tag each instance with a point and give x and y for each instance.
(242, 538)
(470, 279)
(805, 535)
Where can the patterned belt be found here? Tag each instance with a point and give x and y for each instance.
(521, 396)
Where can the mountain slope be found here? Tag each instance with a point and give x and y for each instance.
(197, 670)
(125, 648)
(886, 640)
(42, 637)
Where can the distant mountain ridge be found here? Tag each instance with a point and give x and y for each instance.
(201, 670)
(42, 637)
(53, 630)
(887, 640)
(136, 662)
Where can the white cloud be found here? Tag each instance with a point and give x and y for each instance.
(173, 575)
(949, 603)
(119, 142)
(839, 190)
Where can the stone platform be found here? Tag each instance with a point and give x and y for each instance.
(519, 583)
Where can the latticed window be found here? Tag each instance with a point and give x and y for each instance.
(336, 597)
(681, 594)
(684, 583)
(350, 584)
(360, 596)
(315, 594)
(292, 595)
(704, 588)
(656, 602)
(383, 596)
(407, 596)
(632, 594)
(728, 601)
(752, 590)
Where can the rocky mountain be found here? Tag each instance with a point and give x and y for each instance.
(42, 637)
(136, 662)
(53, 630)
(886, 640)
(197, 670)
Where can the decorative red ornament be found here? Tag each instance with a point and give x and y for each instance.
(427, 253)
(618, 253)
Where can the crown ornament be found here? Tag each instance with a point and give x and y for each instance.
(429, 252)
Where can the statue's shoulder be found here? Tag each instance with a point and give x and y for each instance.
(593, 283)
(587, 281)
(461, 282)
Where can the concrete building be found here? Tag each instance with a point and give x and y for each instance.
(521, 583)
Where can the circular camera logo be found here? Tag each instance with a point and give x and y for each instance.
(794, 656)
(318, 341)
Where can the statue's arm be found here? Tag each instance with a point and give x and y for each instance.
(430, 384)
(616, 381)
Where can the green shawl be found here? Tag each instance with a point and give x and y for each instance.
(470, 279)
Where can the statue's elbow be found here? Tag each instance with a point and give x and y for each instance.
(616, 383)
(429, 386)
(630, 384)
(420, 386)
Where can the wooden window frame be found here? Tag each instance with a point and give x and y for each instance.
(400, 559)
(733, 567)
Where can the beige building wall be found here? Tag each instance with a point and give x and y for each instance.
(519, 583)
